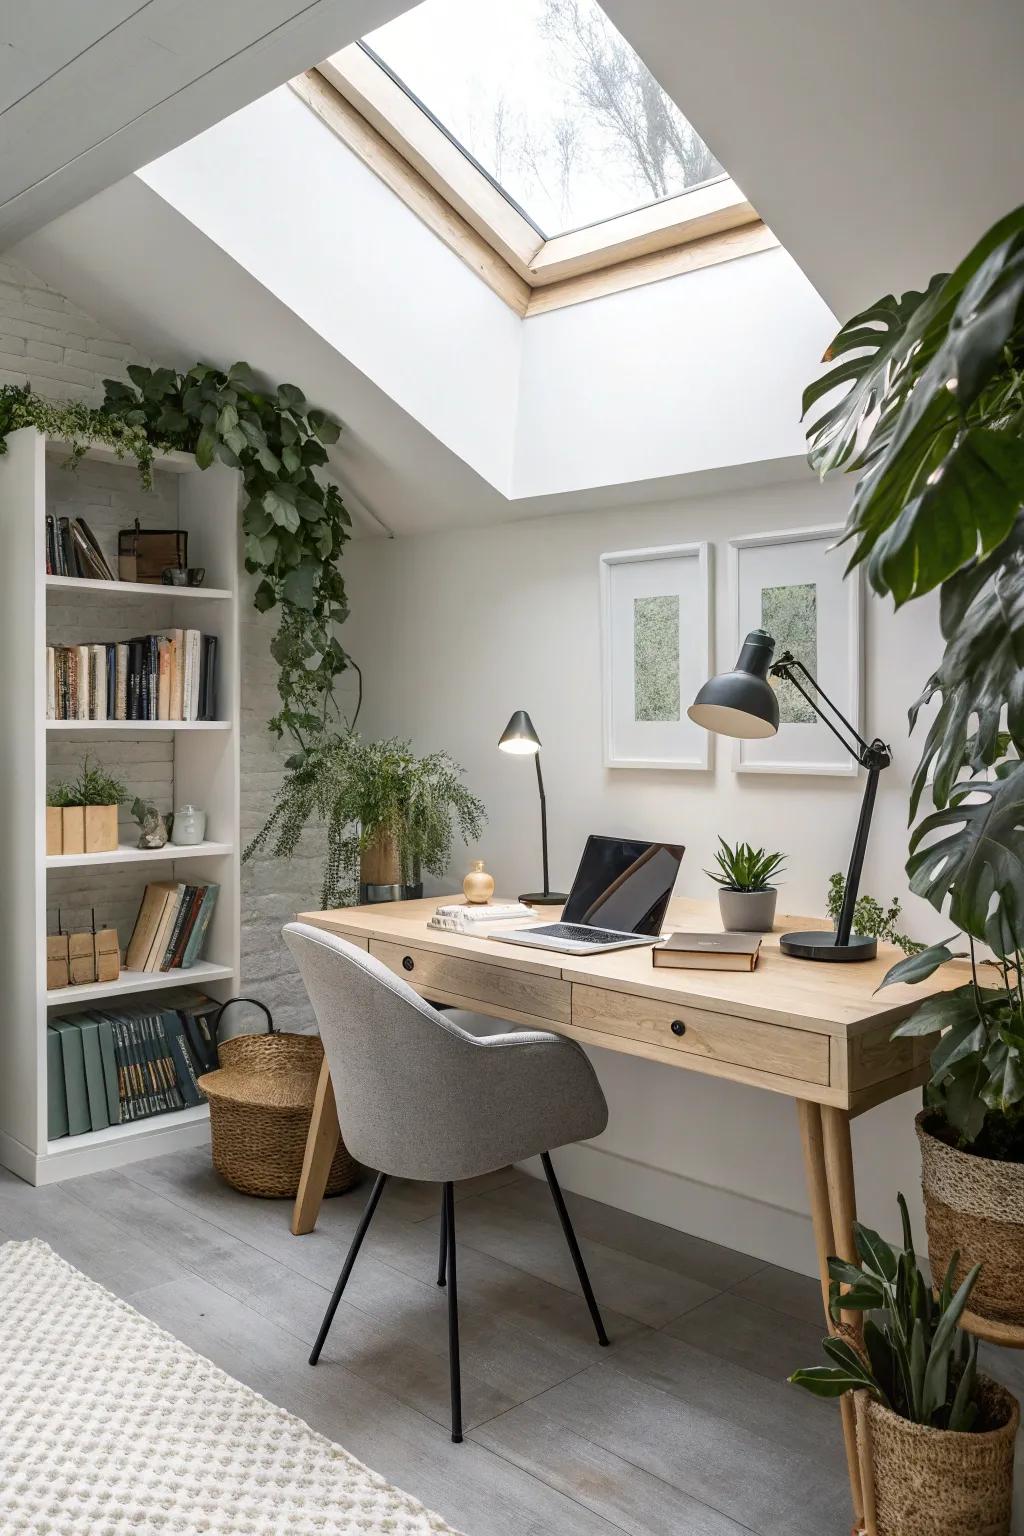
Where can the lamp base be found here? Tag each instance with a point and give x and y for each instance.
(821, 945)
(545, 899)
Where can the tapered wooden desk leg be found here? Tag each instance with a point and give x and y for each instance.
(813, 1143)
(321, 1145)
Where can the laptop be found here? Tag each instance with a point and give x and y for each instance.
(618, 899)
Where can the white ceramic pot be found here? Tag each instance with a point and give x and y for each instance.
(747, 911)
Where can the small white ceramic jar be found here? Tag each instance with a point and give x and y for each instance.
(189, 826)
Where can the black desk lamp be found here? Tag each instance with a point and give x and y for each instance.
(743, 703)
(520, 738)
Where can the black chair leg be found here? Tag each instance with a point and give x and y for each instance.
(353, 1253)
(442, 1256)
(453, 1315)
(574, 1248)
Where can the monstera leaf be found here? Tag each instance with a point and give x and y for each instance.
(943, 466)
(979, 865)
(981, 672)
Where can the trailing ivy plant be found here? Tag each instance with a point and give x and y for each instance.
(295, 525)
(870, 917)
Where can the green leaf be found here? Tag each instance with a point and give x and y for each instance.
(300, 584)
(206, 447)
(936, 1376)
(324, 426)
(829, 1381)
(282, 511)
(979, 866)
(938, 1013)
(242, 377)
(265, 597)
(291, 459)
(138, 374)
(227, 421)
(918, 967)
(289, 398)
(875, 1252)
(270, 462)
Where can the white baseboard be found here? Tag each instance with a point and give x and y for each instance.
(769, 1232)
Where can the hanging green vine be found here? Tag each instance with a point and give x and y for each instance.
(295, 526)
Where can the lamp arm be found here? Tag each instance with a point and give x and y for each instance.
(543, 822)
(863, 751)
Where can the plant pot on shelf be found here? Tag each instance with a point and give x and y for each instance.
(73, 829)
(975, 1204)
(747, 911)
(937, 1482)
(100, 828)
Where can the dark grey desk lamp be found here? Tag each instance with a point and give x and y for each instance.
(743, 703)
(520, 738)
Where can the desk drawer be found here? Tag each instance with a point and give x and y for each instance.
(775, 1048)
(504, 991)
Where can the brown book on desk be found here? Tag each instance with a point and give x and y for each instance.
(708, 951)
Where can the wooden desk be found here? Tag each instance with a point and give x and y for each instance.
(814, 1032)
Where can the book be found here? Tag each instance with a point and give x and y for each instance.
(150, 915)
(82, 683)
(208, 679)
(56, 1093)
(177, 679)
(51, 683)
(460, 917)
(191, 907)
(96, 1090)
(52, 564)
(708, 951)
(85, 541)
(161, 938)
(197, 938)
(173, 1026)
(121, 681)
(67, 548)
(163, 710)
(105, 1032)
(182, 921)
(73, 1062)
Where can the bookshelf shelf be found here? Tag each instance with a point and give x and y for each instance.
(111, 589)
(141, 981)
(138, 727)
(174, 762)
(197, 1114)
(128, 853)
(175, 462)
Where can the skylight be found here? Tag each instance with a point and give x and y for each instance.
(551, 102)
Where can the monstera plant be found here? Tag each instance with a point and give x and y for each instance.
(930, 417)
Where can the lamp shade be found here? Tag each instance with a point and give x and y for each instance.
(742, 702)
(519, 735)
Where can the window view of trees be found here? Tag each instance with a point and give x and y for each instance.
(552, 101)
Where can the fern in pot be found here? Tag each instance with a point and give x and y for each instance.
(746, 897)
(936, 1437)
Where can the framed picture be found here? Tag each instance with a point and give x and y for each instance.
(792, 586)
(656, 644)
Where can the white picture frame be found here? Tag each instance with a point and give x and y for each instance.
(793, 561)
(670, 583)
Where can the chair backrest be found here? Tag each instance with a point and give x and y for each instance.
(397, 1064)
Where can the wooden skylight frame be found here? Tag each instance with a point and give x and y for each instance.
(370, 112)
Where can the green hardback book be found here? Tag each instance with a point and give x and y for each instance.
(99, 1115)
(106, 1034)
(73, 1058)
(56, 1094)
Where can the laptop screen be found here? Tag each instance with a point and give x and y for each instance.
(623, 884)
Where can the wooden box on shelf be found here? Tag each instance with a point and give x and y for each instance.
(54, 831)
(100, 828)
(73, 829)
(56, 961)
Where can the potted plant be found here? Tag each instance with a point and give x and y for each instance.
(936, 1438)
(747, 897)
(88, 812)
(930, 414)
(389, 814)
(870, 917)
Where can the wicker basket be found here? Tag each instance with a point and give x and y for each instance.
(261, 1103)
(935, 1482)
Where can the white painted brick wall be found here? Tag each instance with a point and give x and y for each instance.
(66, 354)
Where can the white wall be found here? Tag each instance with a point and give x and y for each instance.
(686, 375)
(457, 629)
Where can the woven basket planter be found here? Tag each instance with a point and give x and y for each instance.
(932, 1482)
(976, 1205)
(261, 1103)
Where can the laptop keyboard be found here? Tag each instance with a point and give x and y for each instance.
(578, 932)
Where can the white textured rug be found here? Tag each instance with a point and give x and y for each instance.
(111, 1427)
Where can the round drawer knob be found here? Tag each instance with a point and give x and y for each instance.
(678, 1027)
(408, 962)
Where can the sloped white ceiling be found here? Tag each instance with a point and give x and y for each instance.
(877, 138)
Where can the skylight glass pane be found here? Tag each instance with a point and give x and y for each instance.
(551, 101)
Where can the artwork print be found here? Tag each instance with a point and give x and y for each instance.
(656, 658)
(790, 613)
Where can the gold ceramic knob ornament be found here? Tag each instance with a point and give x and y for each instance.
(478, 885)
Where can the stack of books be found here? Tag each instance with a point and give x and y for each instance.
(72, 550)
(460, 917)
(106, 1067)
(171, 676)
(170, 929)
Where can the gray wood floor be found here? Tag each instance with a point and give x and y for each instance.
(684, 1427)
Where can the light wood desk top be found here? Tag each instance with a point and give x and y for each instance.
(805, 1028)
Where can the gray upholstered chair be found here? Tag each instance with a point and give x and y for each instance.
(420, 1098)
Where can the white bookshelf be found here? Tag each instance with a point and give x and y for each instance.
(195, 761)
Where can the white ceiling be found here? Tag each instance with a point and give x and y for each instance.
(878, 139)
(92, 89)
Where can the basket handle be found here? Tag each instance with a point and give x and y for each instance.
(215, 1021)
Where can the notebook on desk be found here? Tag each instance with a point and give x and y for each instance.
(708, 951)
